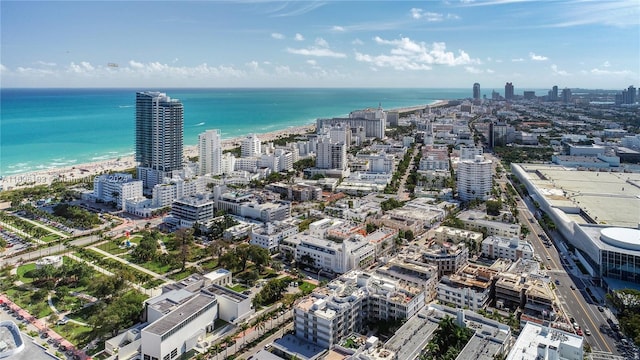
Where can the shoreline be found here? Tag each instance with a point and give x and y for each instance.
(85, 172)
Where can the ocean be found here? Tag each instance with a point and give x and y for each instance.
(48, 128)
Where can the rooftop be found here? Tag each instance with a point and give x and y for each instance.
(169, 321)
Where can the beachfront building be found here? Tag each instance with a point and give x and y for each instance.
(210, 153)
(159, 136)
(250, 146)
(373, 121)
(117, 188)
(474, 178)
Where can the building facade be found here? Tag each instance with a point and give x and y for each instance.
(159, 136)
(210, 153)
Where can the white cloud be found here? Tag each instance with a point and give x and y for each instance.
(253, 65)
(83, 67)
(453, 17)
(299, 37)
(338, 28)
(473, 70)
(535, 57)
(312, 62)
(135, 65)
(426, 15)
(517, 60)
(315, 51)
(557, 71)
(44, 63)
(410, 55)
(277, 36)
(3, 69)
(357, 42)
(489, 71)
(322, 42)
(597, 71)
(606, 64)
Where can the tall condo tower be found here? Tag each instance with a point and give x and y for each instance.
(476, 91)
(159, 136)
(210, 153)
(508, 91)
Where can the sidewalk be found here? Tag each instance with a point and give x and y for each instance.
(42, 328)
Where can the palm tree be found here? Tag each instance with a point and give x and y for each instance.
(244, 327)
(228, 341)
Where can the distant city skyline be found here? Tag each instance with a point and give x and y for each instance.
(432, 44)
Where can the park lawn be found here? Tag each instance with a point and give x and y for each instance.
(182, 274)
(307, 287)
(68, 303)
(112, 248)
(84, 313)
(209, 265)
(238, 288)
(152, 283)
(22, 297)
(74, 333)
(50, 237)
(23, 271)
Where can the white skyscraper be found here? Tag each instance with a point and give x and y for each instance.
(210, 153)
(474, 178)
(250, 146)
(330, 155)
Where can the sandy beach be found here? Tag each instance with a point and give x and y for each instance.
(88, 171)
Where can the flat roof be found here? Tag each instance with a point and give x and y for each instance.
(610, 198)
(533, 336)
(169, 321)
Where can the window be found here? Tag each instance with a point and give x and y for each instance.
(146, 357)
(166, 357)
(174, 353)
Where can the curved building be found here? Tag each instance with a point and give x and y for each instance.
(596, 212)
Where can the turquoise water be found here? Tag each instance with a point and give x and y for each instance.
(48, 128)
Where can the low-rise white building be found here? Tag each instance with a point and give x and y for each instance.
(117, 188)
(542, 342)
(470, 287)
(513, 248)
(269, 235)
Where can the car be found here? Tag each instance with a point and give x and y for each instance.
(600, 308)
(62, 348)
(579, 332)
(572, 287)
(548, 257)
(587, 332)
(44, 335)
(62, 322)
(69, 352)
(557, 282)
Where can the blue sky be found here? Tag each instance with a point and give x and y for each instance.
(432, 44)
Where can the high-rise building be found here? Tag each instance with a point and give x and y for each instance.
(631, 96)
(476, 91)
(566, 95)
(330, 155)
(553, 94)
(508, 91)
(474, 178)
(498, 134)
(250, 146)
(159, 136)
(210, 153)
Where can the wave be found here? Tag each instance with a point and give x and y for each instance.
(199, 124)
(125, 106)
